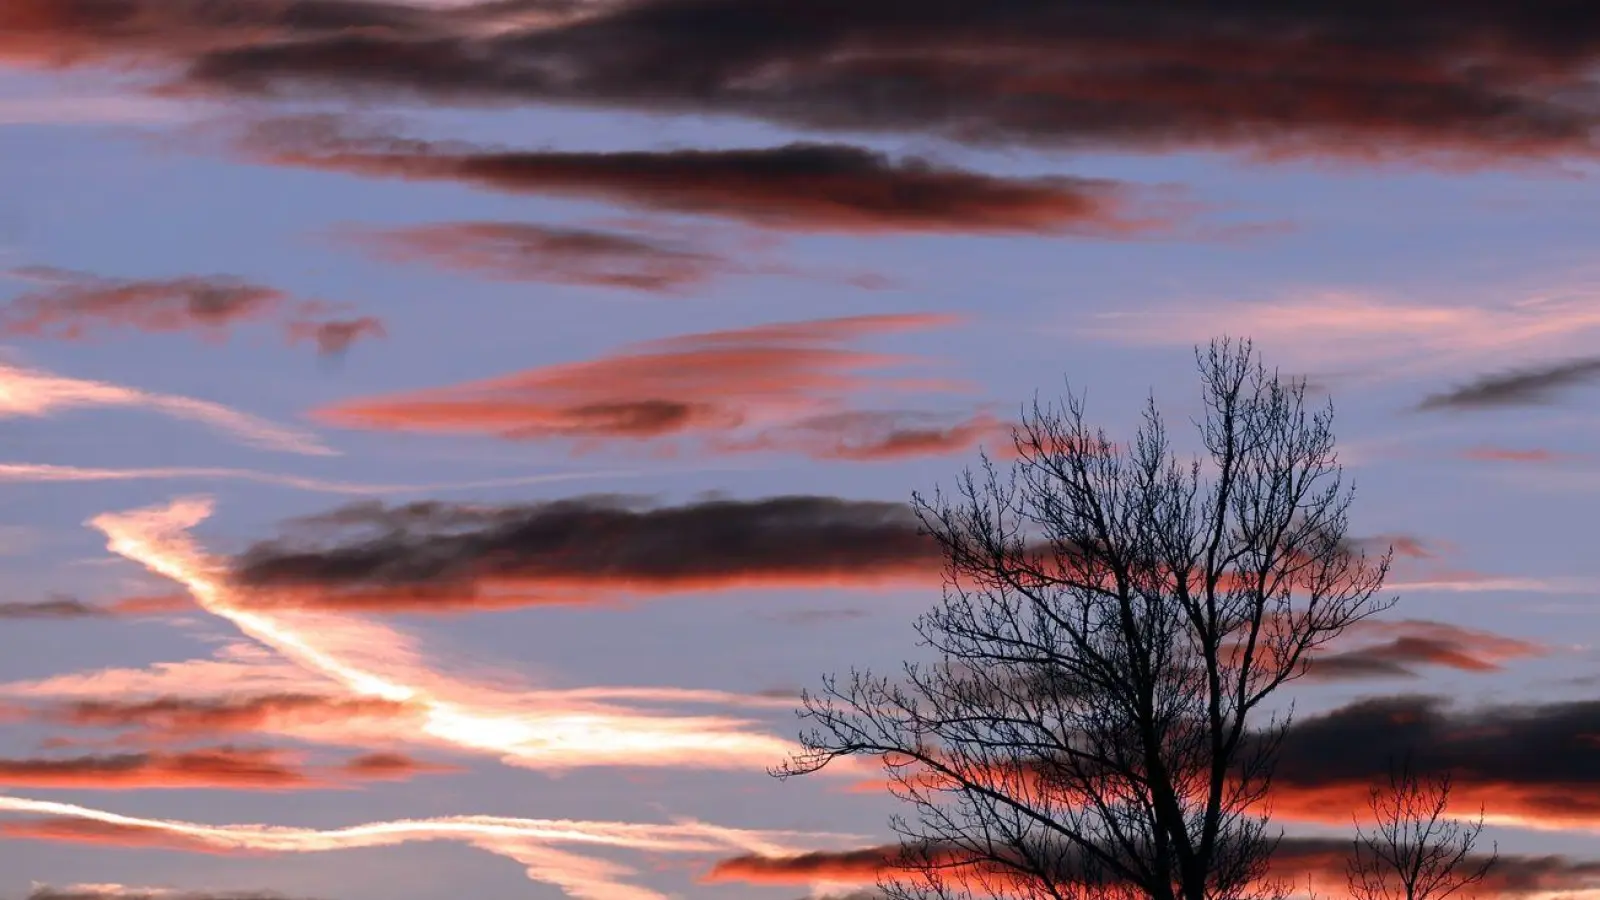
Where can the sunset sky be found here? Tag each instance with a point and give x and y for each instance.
(441, 437)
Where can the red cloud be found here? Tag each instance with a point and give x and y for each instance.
(88, 831)
(525, 252)
(802, 187)
(1507, 454)
(183, 717)
(1296, 860)
(221, 767)
(783, 387)
(77, 306)
(228, 768)
(74, 305)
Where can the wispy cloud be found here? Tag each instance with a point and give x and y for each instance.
(53, 608)
(227, 768)
(77, 305)
(43, 473)
(133, 892)
(1395, 649)
(1532, 386)
(34, 393)
(514, 251)
(1339, 330)
(788, 387)
(535, 843)
(367, 660)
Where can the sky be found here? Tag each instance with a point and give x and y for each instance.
(441, 438)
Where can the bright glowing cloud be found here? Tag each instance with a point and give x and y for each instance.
(535, 729)
(36, 394)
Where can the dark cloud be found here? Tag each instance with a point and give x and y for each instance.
(1353, 78)
(1539, 762)
(1523, 387)
(525, 252)
(119, 892)
(53, 608)
(446, 556)
(1297, 859)
(805, 187)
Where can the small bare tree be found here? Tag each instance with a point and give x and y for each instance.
(1415, 851)
(1113, 621)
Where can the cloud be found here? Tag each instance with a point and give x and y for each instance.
(1522, 387)
(1490, 81)
(35, 393)
(550, 730)
(54, 608)
(801, 187)
(76, 306)
(32, 473)
(221, 767)
(1511, 454)
(525, 252)
(538, 844)
(877, 435)
(1355, 330)
(128, 892)
(1297, 859)
(1529, 764)
(789, 387)
(1393, 649)
(174, 717)
(440, 556)
(334, 337)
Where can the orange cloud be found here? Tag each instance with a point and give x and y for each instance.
(221, 767)
(174, 717)
(782, 387)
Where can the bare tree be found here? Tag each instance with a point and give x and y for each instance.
(1416, 850)
(1112, 623)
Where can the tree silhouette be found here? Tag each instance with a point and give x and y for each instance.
(1112, 624)
(1415, 850)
